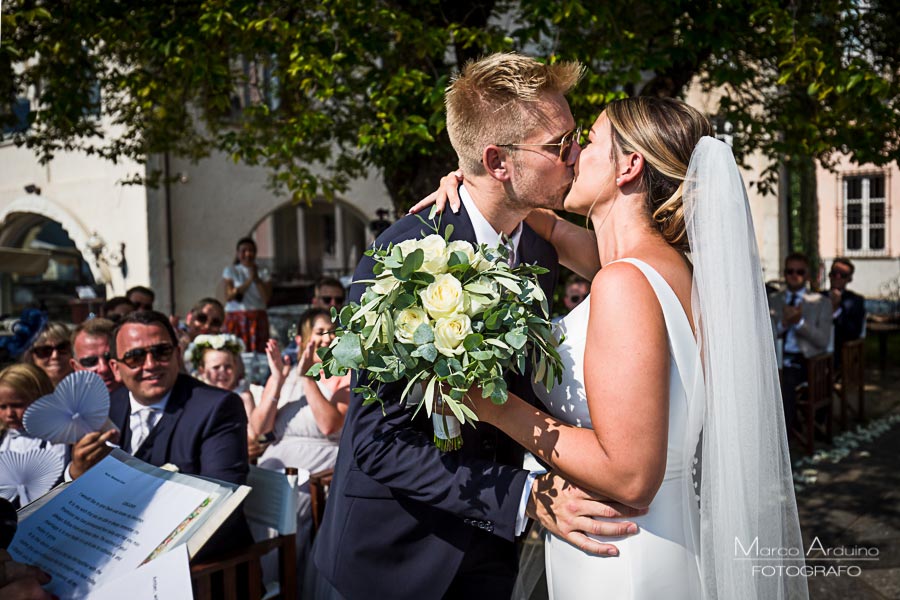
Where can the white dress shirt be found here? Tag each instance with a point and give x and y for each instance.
(136, 424)
(487, 235)
(485, 232)
(790, 337)
(140, 429)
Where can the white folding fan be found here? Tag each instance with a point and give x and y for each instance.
(29, 475)
(79, 405)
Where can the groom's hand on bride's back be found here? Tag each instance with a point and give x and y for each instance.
(568, 512)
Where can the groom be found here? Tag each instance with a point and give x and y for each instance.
(404, 520)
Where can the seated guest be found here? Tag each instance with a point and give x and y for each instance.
(848, 307)
(305, 414)
(577, 289)
(328, 292)
(168, 417)
(802, 321)
(90, 343)
(141, 297)
(20, 385)
(216, 360)
(116, 308)
(206, 317)
(51, 351)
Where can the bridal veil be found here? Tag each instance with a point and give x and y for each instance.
(748, 513)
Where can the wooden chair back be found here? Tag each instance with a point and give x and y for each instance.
(319, 484)
(815, 397)
(272, 507)
(852, 386)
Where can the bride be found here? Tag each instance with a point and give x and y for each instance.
(670, 398)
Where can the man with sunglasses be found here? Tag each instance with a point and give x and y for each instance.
(141, 297)
(328, 292)
(448, 521)
(166, 417)
(205, 318)
(90, 343)
(848, 307)
(802, 323)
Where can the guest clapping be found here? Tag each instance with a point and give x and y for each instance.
(291, 400)
(308, 418)
(248, 293)
(52, 351)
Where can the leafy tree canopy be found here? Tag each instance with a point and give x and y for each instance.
(318, 92)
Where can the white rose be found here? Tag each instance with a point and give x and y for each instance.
(461, 246)
(475, 306)
(406, 322)
(450, 332)
(443, 297)
(385, 284)
(407, 246)
(435, 249)
(217, 342)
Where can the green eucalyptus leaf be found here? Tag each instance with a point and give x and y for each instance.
(473, 341)
(348, 352)
(424, 334)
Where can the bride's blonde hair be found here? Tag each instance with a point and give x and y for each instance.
(664, 131)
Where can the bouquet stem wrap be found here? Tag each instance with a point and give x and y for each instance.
(447, 429)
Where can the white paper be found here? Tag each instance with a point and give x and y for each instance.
(165, 578)
(106, 524)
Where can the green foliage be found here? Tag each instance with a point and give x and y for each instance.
(320, 92)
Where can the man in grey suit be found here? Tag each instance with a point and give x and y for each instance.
(802, 321)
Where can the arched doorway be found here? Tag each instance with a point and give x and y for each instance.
(66, 272)
(300, 243)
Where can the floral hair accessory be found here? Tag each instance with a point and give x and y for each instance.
(193, 356)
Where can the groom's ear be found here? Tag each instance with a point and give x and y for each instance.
(494, 160)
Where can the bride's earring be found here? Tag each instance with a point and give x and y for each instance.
(618, 180)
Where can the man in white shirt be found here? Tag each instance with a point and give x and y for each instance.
(802, 322)
(166, 417)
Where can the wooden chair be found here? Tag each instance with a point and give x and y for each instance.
(272, 508)
(850, 386)
(319, 484)
(813, 397)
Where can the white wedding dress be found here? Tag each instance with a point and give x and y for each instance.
(660, 561)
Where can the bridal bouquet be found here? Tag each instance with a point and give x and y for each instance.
(446, 316)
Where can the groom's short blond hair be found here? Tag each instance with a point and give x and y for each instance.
(489, 102)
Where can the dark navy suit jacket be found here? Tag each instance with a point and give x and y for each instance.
(848, 326)
(203, 431)
(402, 517)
